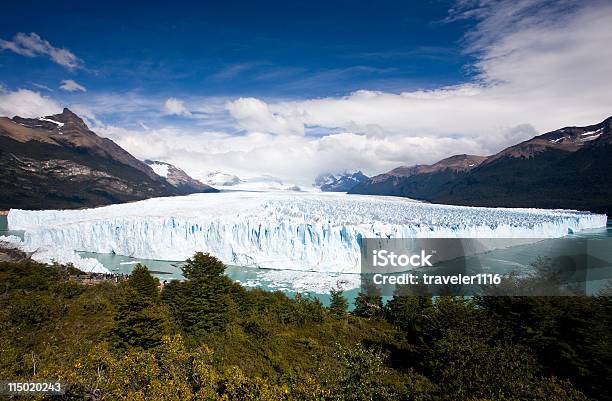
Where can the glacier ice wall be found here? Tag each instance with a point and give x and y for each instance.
(59, 254)
(279, 230)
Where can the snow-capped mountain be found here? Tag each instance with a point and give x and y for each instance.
(266, 183)
(220, 179)
(341, 182)
(260, 183)
(176, 177)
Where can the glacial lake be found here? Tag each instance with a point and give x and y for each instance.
(516, 259)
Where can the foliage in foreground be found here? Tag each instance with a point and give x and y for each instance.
(207, 338)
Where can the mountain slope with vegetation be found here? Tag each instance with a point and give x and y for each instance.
(420, 181)
(57, 162)
(209, 338)
(569, 168)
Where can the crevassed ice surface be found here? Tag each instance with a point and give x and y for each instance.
(279, 230)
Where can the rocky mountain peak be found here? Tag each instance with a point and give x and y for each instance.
(218, 178)
(462, 162)
(70, 119)
(456, 163)
(567, 139)
(178, 178)
(68, 130)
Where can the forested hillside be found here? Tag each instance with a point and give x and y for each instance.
(208, 338)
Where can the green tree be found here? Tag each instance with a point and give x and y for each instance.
(139, 319)
(363, 376)
(144, 283)
(408, 311)
(571, 336)
(202, 303)
(202, 266)
(368, 302)
(308, 310)
(338, 305)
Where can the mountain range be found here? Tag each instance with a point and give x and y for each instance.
(231, 182)
(57, 162)
(341, 182)
(568, 168)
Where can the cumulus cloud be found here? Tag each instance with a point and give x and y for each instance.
(254, 115)
(174, 106)
(27, 103)
(296, 159)
(32, 45)
(539, 65)
(71, 86)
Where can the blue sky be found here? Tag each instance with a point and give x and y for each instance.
(296, 89)
(241, 48)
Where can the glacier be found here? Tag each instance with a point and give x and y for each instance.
(50, 254)
(277, 229)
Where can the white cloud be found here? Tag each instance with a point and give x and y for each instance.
(41, 86)
(27, 103)
(71, 86)
(294, 158)
(540, 65)
(254, 115)
(32, 45)
(174, 106)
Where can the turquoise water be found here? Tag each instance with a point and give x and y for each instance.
(4, 228)
(515, 259)
(266, 279)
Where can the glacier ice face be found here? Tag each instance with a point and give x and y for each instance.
(279, 230)
(10, 240)
(50, 254)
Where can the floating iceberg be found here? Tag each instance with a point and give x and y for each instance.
(279, 230)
